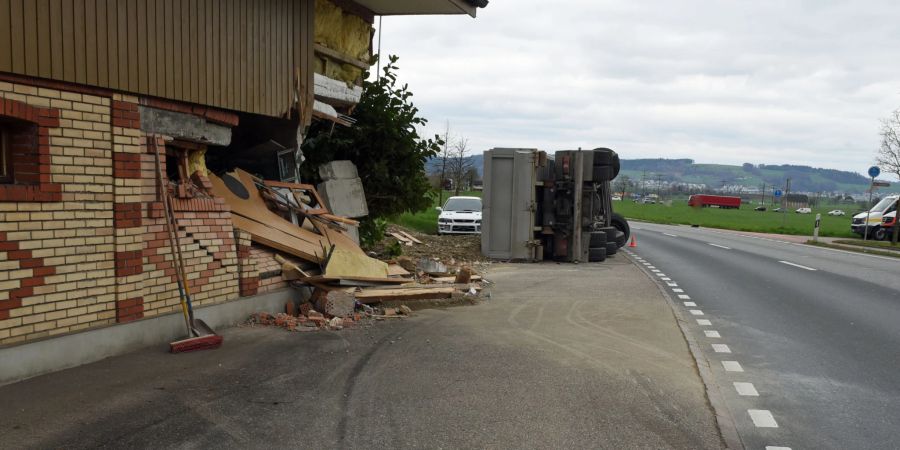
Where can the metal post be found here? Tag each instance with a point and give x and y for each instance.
(816, 230)
(787, 191)
(868, 210)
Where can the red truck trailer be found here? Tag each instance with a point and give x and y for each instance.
(722, 201)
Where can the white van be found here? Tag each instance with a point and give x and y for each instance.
(858, 223)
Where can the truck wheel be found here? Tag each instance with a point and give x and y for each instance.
(619, 222)
(597, 254)
(603, 173)
(879, 234)
(598, 239)
(611, 248)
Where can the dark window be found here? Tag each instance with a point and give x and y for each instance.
(6, 175)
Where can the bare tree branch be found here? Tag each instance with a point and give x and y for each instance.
(888, 157)
(460, 163)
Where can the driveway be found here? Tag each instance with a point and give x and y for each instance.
(560, 356)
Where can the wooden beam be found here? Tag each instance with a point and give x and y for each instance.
(323, 50)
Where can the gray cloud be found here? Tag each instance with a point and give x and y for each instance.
(801, 82)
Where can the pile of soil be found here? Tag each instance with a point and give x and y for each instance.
(464, 249)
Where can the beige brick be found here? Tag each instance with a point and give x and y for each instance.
(21, 330)
(70, 96)
(44, 326)
(49, 93)
(10, 323)
(25, 89)
(55, 315)
(42, 102)
(34, 318)
(63, 105)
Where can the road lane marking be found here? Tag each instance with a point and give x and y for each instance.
(670, 235)
(745, 389)
(660, 274)
(712, 333)
(690, 304)
(703, 322)
(772, 447)
(762, 418)
(677, 290)
(720, 246)
(798, 265)
(696, 312)
(655, 270)
(684, 296)
(672, 283)
(732, 366)
(721, 348)
(666, 279)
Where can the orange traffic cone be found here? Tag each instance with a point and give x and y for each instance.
(633, 244)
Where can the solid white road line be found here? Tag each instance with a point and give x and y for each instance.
(690, 304)
(721, 348)
(745, 389)
(703, 322)
(772, 447)
(670, 235)
(720, 246)
(732, 366)
(696, 312)
(797, 265)
(762, 418)
(684, 296)
(712, 334)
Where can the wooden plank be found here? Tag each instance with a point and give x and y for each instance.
(206, 22)
(194, 41)
(45, 65)
(323, 50)
(169, 53)
(340, 219)
(79, 32)
(380, 295)
(140, 64)
(343, 262)
(453, 279)
(410, 237)
(112, 41)
(90, 42)
(277, 239)
(5, 37)
(401, 238)
(102, 45)
(122, 47)
(17, 33)
(133, 54)
(173, 53)
(68, 41)
(184, 51)
(154, 37)
(395, 270)
(30, 21)
(323, 280)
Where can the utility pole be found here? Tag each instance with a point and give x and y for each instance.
(658, 183)
(787, 191)
(763, 193)
(643, 183)
(443, 164)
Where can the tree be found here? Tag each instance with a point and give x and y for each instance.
(445, 157)
(888, 157)
(383, 143)
(459, 164)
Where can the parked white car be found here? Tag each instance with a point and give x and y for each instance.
(803, 211)
(836, 212)
(616, 198)
(460, 215)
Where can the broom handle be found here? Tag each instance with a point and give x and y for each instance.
(172, 235)
(187, 287)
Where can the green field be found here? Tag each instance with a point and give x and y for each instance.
(426, 221)
(743, 219)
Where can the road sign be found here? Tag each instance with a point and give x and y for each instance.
(778, 192)
(881, 184)
(874, 171)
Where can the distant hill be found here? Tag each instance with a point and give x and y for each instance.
(803, 178)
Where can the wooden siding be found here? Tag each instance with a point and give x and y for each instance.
(233, 54)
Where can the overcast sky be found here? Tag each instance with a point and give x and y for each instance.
(763, 81)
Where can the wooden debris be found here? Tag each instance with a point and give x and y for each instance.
(379, 295)
(472, 278)
(401, 238)
(395, 270)
(410, 237)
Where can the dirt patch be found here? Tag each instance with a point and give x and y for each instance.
(449, 249)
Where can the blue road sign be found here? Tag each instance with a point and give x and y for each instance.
(874, 171)
(778, 192)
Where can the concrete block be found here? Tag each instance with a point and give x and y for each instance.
(338, 170)
(183, 126)
(344, 197)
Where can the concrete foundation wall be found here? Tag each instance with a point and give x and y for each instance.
(37, 358)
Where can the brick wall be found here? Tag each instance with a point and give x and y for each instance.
(82, 236)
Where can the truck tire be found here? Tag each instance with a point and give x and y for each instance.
(611, 248)
(597, 254)
(879, 234)
(598, 239)
(602, 173)
(607, 157)
(619, 222)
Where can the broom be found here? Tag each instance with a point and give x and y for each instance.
(195, 340)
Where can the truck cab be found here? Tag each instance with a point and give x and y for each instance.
(875, 215)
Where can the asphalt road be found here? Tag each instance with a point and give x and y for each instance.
(816, 333)
(560, 356)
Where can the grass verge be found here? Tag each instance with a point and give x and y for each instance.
(855, 248)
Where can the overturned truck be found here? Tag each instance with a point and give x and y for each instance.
(538, 207)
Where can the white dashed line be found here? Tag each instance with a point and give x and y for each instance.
(690, 304)
(677, 290)
(684, 296)
(732, 366)
(672, 284)
(670, 235)
(666, 279)
(721, 348)
(720, 246)
(661, 275)
(797, 265)
(770, 447)
(704, 322)
(712, 334)
(745, 389)
(696, 312)
(762, 418)
(655, 270)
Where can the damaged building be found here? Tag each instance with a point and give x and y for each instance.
(93, 92)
